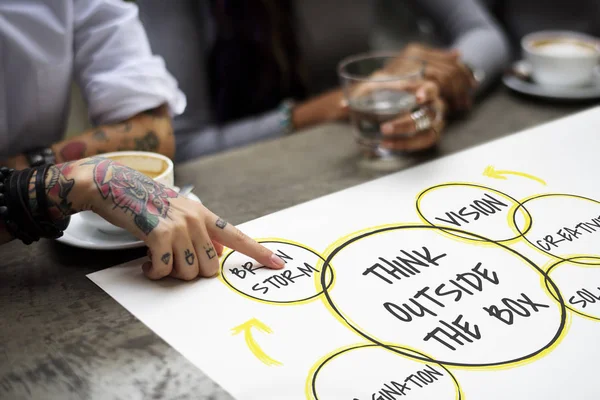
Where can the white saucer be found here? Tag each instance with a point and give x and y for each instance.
(551, 92)
(79, 234)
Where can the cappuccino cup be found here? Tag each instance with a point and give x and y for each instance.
(561, 58)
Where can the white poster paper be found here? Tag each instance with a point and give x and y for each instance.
(474, 276)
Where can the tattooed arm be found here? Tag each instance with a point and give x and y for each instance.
(147, 131)
(183, 236)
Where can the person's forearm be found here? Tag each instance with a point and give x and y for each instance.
(200, 141)
(486, 52)
(327, 107)
(471, 29)
(148, 131)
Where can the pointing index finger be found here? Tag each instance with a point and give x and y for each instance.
(232, 237)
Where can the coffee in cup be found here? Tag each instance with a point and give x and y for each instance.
(157, 168)
(561, 58)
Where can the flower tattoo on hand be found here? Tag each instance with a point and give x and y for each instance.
(133, 192)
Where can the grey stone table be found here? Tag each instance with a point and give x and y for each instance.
(61, 337)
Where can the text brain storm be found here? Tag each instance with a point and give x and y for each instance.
(294, 284)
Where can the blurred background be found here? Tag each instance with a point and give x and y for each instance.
(392, 25)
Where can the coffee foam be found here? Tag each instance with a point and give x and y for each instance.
(149, 166)
(564, 48)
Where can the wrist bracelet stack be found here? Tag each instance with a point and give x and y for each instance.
(21, 221)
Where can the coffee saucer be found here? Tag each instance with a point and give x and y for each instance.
(80, 234)
(518, 84)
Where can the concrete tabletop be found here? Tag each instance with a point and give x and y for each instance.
(61, 337)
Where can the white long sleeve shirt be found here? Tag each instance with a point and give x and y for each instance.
(45, 44)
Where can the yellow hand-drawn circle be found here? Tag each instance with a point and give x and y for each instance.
(579, 258)
(316, 371)
(223, 276)
(514, 204)
(592, 264)
(347, 321)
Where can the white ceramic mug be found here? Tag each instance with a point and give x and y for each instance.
(561, 58)
(156, 166)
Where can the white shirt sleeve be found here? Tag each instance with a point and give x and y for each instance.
(114, 66)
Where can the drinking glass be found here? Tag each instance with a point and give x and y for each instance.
(379, 87)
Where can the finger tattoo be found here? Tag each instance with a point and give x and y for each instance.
(189, 257)
(166, 258)
(210, 251)
(221, 223)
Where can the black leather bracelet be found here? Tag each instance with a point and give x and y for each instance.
(40, 189)
(51, 229)
(28, 223)
(16, 220)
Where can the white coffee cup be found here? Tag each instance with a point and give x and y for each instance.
(561, 58)
(153, 165)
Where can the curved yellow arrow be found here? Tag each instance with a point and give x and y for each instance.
(491, 172)
(246, 327)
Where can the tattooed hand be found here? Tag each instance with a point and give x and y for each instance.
(132, 192)
(183, 236)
